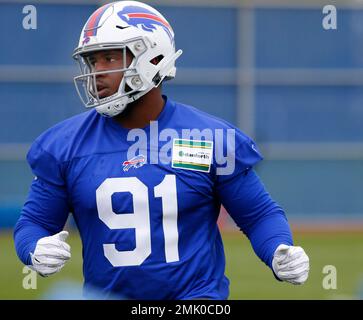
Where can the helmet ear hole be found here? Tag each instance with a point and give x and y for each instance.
(157, 59)
(127, 88)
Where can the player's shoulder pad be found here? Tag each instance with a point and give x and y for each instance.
(194, 118)
(60, 139)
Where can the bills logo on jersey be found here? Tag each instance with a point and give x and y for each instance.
(135, 162)
(147, 20)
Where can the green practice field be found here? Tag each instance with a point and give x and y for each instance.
(249, 277)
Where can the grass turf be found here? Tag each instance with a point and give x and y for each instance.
(249, 277)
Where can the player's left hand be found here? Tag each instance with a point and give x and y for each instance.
(50, 254)
(291, 264)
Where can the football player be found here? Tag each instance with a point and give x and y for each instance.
(148, 228)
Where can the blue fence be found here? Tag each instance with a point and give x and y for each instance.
(290, 106)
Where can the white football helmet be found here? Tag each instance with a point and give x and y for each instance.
(125, 25)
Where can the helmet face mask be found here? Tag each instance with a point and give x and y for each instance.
(145, 38)
(86, 82)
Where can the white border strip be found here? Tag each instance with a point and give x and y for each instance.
(312, 151)
(267, 4)
(246, 81)
(327, 77)
(26, 73)
(202, 76)
(13, 151)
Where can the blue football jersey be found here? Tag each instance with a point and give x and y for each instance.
(146, 201)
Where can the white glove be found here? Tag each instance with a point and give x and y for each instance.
(291, 264)
(50, 254)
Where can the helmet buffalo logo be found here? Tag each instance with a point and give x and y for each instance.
(135, 162)
(138, 16)
(86, 40)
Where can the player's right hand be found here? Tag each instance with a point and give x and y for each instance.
(51, 254)
(291, 264)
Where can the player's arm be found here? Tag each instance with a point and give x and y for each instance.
(39, 240)
(260, 217)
